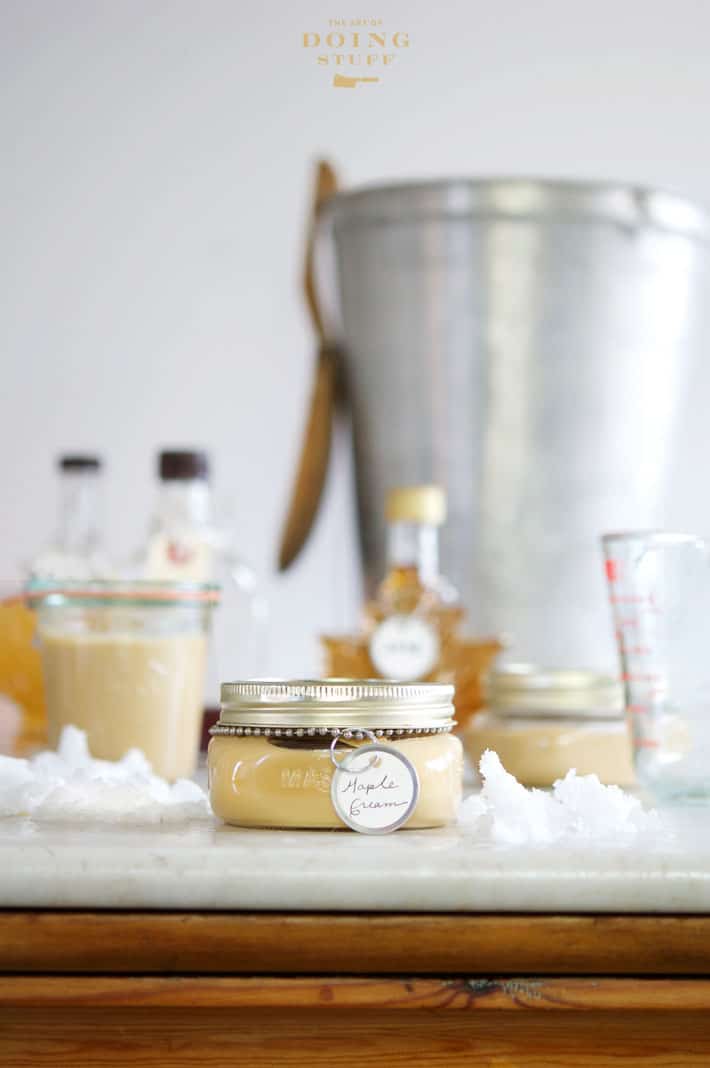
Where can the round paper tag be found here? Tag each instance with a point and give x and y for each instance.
(404, 647)
(374, 789)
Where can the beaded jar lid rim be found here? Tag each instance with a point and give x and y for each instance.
(314, 734)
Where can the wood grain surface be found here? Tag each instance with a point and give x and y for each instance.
(495, 991)
(264, 1038)
(374, 944)
(365, 994)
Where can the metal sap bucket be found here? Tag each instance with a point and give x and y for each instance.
(527, 345)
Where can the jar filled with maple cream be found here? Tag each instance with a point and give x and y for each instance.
(335, 753)
(543, 722)
(125, 662)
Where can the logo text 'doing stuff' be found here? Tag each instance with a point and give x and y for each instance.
(355, 46)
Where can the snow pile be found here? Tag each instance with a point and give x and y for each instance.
(578, 806)
(71, 785)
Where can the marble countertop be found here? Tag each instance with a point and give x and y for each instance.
(209, 866)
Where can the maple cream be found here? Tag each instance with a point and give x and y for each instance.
(540, 751)
(274, 753)
(542, 723)
(125, 662)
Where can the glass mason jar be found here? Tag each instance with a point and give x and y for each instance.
(541, 723)
(277, 745)
(125, 662)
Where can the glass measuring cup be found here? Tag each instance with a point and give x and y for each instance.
(659, 587)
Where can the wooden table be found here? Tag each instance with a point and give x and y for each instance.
(266, 989)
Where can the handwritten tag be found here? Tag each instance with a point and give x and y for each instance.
(374, 789)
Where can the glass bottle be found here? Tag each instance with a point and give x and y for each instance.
(76, 551)
(182, 539)
(185, 544)
(413, 620)
(412, 627)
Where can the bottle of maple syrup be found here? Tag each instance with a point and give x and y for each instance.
(412, 626)
(413, 621)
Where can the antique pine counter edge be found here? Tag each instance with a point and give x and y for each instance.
(530, 991)
(278, 943)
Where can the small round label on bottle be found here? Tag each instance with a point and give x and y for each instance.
(374, 789)
(404, 648)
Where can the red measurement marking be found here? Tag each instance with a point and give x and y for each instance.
(629, 677)
(638, 650)
(613, 569)
(179, 554)
(630, 598)
(646, 743)
(639, 709)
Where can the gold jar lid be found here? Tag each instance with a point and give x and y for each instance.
(525, 689)
(319, 705)
(416, 504)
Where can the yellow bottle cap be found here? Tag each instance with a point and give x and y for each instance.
(416, 504)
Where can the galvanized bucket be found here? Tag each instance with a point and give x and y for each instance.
(527, 344)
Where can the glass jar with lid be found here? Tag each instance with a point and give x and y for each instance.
(125, 662)
(542, 722)
(280, 749)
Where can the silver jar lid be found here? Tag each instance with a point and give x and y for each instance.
(525, 689)
(322, 704)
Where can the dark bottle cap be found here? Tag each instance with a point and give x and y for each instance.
(178, 464)
(79, 462)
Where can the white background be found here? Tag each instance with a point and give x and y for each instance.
(154, 177)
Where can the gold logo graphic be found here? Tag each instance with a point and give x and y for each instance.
(358, 48)
(342, 81)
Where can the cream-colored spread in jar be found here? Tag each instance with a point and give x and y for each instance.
(267, 782)
(125, 662)
(129, 692)
(277, 771)
(539, 751)
(543, 722)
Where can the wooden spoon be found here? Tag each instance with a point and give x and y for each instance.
(315, 450)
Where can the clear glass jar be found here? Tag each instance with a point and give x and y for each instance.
(542, 723)
(273, 753)
(125, 662)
